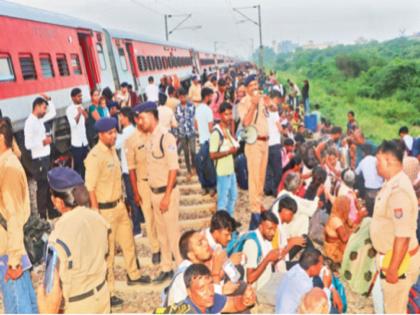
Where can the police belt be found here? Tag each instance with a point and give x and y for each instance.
(160, 190)
(108, 205)
(85, 295)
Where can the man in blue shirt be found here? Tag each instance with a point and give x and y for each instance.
(298, 281)
(185, 115)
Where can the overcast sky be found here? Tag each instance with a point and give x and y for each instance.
(341, 21)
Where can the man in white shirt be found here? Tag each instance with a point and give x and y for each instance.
(204, 126)
(261, 256)
(274, 165)
(123, 96)
(38, 142)
(152, 91)
(372, 181)
(76, 116)
(195, 249)
(126, 118)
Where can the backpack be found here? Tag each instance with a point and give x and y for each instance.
(164, 296)
(307, 152)
(413, 306)
(241, 171)
(35, 237)
(221, 140)
(238, 244)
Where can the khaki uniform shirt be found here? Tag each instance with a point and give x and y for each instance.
(80, 238)
(194, 93)
(135, 152)
(103, 173)
(166, 117)
(172, 103)
(160, 162)
(395, 214)
(259, 122)
(14, 207)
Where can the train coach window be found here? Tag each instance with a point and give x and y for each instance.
(101, 56)
(63, 67)
(6, 69)
(165, 62)
(171, 62)
(46, 66)
(123, 61)
(141, 63)
(75, 64)
(28, 67)
(158, 62)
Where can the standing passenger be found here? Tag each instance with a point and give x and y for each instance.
(38, 142)
(185, 114)
(76, 116)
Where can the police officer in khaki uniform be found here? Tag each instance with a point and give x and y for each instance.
(104, 183)
(194, 92)
(252, 112)
(162, 167)
(14, 212)
(393, 229)
(135, 152)
(80, 240)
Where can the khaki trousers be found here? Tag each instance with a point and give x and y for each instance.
(99, 303)
(167, 227)
(396, 295)
(121, 233)
(256, 159)
(146, 206)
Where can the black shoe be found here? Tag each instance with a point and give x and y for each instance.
(141, 280)
(156, 258)
(164, 276)
(116, 301)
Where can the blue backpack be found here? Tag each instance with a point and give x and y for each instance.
(236, 245)
(413, 306)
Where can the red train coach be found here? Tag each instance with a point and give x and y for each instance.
(46, 52)
(137, 57)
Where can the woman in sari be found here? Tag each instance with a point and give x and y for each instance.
(337, 229)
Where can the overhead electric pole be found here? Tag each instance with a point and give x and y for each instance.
(177, 27)
(259, 24)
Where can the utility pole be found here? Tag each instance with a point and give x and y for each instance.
(259, 24)
(166, 28)
(261, 57)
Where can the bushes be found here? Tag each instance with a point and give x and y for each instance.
(351, 65)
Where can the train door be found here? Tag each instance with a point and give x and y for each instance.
(131, 58)
(88, 50)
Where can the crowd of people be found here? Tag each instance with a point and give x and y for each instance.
(344, 208)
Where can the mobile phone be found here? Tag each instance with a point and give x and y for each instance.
(50, 264)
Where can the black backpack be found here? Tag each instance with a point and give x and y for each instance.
(35, 237)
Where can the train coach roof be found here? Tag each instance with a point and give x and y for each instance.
(142, 38)
(34, 14)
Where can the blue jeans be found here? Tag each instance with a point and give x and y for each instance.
(18, 295)
(136, 214)
(306, 105)
(79, 155)
(227, 193)
(274, 170)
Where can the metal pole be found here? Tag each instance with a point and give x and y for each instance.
(261, 61)
(215, 47)
(166, 27)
